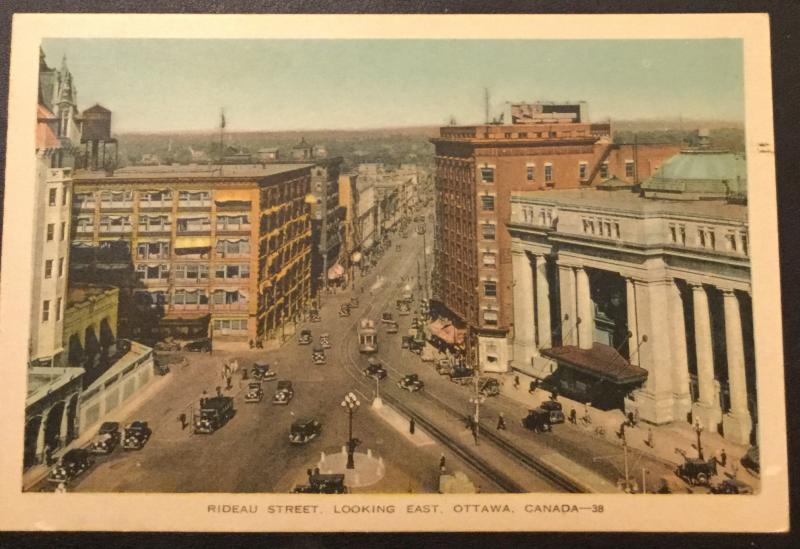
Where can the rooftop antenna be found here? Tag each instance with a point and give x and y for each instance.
(486, 105)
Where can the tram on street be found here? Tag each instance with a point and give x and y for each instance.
(367, 337)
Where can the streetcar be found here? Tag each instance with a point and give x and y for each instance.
(367, 337)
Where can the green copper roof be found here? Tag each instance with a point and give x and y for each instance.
(706, 172)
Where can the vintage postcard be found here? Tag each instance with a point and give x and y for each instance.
(391, 273)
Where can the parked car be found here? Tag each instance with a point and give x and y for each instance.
(411, 383)
(168, 345)
(538, 421)
(198, 346)
(304, 430)
(731, 486)
(461, 374)
(344, 310)
(284, 393)
(71, 464)
(107, 438)
(261, 372)
(555, 409)
(375, 370)
(697, 472)
(255, 392)
(489, 386)
(136, 435)
(387, 317)
(214, 413)
(304, 338)
(325, 341)
(392, 328)
(314, 316)
(318, 356)
(319, 483)
(444, 366)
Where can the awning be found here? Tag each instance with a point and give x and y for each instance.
(335, 272)
(193, 242)
(447, 332)
(233, 195)
(600, 361)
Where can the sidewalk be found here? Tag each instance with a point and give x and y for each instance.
(667, 439)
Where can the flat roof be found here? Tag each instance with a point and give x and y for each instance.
(629, 202)
(192, 171)
(79, 294)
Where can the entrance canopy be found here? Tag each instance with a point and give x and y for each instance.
(447, 332)
(601, 361)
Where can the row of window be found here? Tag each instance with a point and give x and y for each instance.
(193, 271)
(52, 196)
(544, 217)
(601, 227)
(735, 241)
(195, 297)
(488, 172)
(51, 231)
(225, 326)
(46, 309)
(48, 268)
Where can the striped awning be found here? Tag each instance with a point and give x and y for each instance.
(193, 242)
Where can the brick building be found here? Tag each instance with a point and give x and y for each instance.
(535, 147)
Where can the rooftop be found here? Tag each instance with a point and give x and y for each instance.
(81, 293)
(191, 171)
(44, 380)
(705, 171)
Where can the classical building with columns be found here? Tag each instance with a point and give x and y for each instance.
(641, 300)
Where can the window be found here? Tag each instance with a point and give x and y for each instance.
(52, 199)
(488, 230)
(45, 310)
(490, 288)
(629, 168)
(48, 268)
(489, 259)
(64, 197)
(63, 232)
(487, 174)
(490, 317)
(604, 170)
(743, 238)
(487, 203)
(58, 309)
(50, 230)
(583, 171)
(673, 233)
(530, 170)
(712, 239)
(60, 267)
(682, 233)
(701, 238)
(548, 173)
(616, 230)
(730, 241)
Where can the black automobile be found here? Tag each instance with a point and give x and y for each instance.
(198, 346)
(261, 372)
(314, 316)
(254, 392)
(375, 370)
(325, 341)
(555, 409)
(538, 421)
(71, 464)
(344, 310)
(304, 338)
(318, 356)
(319, 483)
(411, 383)
(731, 486)
(750, 460)
(392, 328)
(137, 433)
(489, 386)
(461, 374)
(284, 393)
(304, 430)
(387, 317)
(107, 438)
(697, 472)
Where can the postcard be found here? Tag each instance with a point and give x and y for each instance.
(391, 273)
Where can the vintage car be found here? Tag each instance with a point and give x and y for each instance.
(750, 460)
(136, 435)
(411, 383)
(304, 430)
(392, 328)
(214, 413)
(415, 323)
(255, 392)
(304, 338)
(403, 307)
(353, 303)
(319, 483)
(387, 317)
(461, 374)
(444, 366)
(198, 346)
(71, 464)
(731, 486)
(413, 344)
(318, 356)
(107, 438)
(488, 386)
(167, 345)
(344, 310)
(261, 372)
(537, 420)
(283, 393)
(375, 370)
(696, 471)
(555, 409)
(314, 316)
(325, 341)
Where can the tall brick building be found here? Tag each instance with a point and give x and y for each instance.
(534, 147)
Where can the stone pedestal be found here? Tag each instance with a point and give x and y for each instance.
(737, 428)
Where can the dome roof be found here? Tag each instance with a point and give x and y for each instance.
(705, 172)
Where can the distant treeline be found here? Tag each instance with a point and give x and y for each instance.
(722, 138)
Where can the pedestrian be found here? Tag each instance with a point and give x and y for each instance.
(228, 384)
(621, 432)
(636, 417)
(412, 425)
(442, 461)
(723, 457)
(649, 441)
(516, 382)
(475, 431)
(219, 391)
(554, 395)
(573, 416)
(532, 387)
(182, 419)
(501, 422)
(631, 421)
(244, 374)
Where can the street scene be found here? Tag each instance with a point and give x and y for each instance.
(535, 300)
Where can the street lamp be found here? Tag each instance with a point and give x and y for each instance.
(698, 429)
(350, 404)
(477, 400)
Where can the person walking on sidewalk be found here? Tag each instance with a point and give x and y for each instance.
(182, 419)
(516, 382)
(723, 457)
(442, 461)
(501, 422)
(412, 426)
(573, 416)
(649, 440)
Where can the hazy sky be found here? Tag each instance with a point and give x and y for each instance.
(168, 85)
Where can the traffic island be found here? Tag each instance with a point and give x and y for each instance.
(368, 470)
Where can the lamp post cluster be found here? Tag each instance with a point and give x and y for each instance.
(350, 404)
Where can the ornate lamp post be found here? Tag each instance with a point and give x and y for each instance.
(350, 404)
(698, 429)
(477, 400)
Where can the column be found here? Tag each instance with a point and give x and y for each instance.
(680, 366)
(64, 427)
(585, 310)
(523, 307)
(633, 322)
(543, 303)
(737, 423)
(706, 410)
(566, 323)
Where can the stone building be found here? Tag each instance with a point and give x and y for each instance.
(640, 300)
(537, 147)
(196, 250)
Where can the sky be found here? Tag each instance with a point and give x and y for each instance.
(154, 85)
